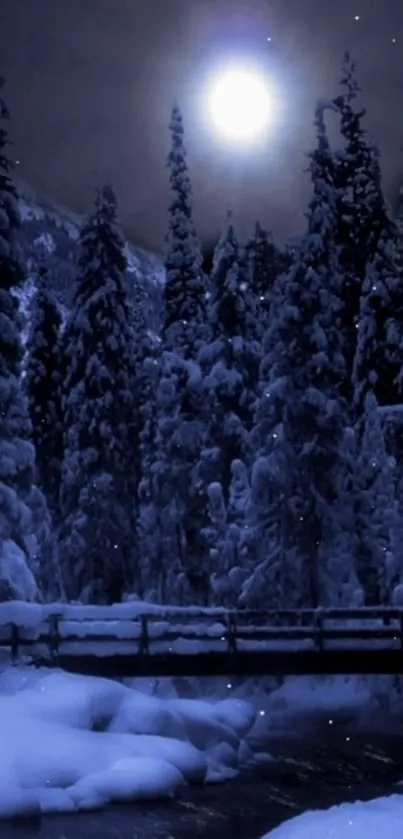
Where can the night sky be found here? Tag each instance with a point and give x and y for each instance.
(91, 84)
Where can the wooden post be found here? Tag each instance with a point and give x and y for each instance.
(14, 643)
(54, 638)
(231, 633)
(144, 637)
(318, 626)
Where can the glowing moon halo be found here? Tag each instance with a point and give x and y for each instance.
(240, 105)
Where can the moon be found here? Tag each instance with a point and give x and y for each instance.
(241, 105)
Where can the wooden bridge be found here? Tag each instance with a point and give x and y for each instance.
(193, 642)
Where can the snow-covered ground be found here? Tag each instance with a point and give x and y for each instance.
(72, 743)
(369, 820)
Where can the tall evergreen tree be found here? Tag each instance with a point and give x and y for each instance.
(365, 229)
(184, 290)
(18, 494)
(173, 505)
(364, 212)
(149, 530)
(97, 496)
(228, 536)
(172, 508)
(11, 268)
(300, 418)
(231, 309)
(43, 383)
(230, 364)
(17, 455)
(378, 522)
(230, 361)
(378, 356)
(148, 349)
(265, 263)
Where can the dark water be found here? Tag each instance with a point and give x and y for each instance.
(316, 765)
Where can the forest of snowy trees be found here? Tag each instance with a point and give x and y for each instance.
(249, 455)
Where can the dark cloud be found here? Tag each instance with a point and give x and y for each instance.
(91, 83)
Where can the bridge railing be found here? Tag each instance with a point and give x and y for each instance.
(173, 631)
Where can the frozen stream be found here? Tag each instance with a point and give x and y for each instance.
(324, 765)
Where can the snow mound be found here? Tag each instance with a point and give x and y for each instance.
(127, 780)
(300, 694)
(362, 820)
(72, 743)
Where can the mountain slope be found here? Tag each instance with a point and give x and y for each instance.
(49, 226)
(39, 211)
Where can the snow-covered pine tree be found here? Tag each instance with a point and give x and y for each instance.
(17, 454)
(265, 263)
(173, 506)
(378, 520)
(146, 351)
(363, 217)
(11, 268)
(395, 321)
(371, 258)
(231, 305)
(378, 359)
(227, 536)
(149, 529)
(98, 474)
(42, 547)
(300, 418)
(269, 580)
(185, 324)
(230, 361)
(222, 536)
(43, 382)
(365, 213)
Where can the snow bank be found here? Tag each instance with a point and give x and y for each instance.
(302, 696)
(369, 820)
(73, 743)
(301, 693)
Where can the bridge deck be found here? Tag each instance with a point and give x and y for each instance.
(331, 662)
